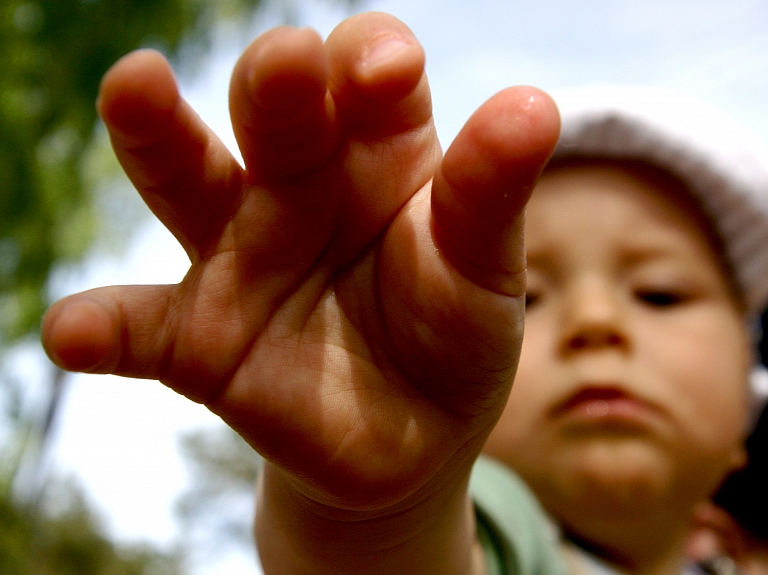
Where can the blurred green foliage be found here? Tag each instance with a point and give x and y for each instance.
(68, 543)
(53, 54)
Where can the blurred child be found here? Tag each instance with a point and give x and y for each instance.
(354, 309)
(645, 242)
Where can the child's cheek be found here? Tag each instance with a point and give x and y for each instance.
(708, 369)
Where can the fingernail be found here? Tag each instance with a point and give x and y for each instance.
(384, 50)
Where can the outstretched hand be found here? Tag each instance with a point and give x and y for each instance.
(354, 304)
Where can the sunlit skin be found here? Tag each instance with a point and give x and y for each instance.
(629, 402)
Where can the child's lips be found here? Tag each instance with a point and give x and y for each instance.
(603, 405)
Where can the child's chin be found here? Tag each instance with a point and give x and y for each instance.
(617, 474)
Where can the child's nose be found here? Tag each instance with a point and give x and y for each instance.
(593, 319)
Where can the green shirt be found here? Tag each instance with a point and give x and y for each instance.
(513, 529)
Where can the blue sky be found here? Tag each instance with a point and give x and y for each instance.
(119, 438)
(715, 50)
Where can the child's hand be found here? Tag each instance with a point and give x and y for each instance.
(354, 306)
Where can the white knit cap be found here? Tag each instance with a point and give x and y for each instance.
(722, 162)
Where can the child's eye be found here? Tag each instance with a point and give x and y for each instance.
(661, 298)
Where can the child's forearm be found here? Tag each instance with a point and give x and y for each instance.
(433, 535)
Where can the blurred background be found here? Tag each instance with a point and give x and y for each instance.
(105, 476)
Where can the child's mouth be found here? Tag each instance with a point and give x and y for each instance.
(604, 406)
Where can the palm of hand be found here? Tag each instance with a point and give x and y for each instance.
(354, 318)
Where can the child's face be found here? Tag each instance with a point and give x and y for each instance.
(631, 388)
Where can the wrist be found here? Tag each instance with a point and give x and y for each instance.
(431, 532)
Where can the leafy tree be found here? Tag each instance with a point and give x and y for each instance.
(67, 542)
(54, 53)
